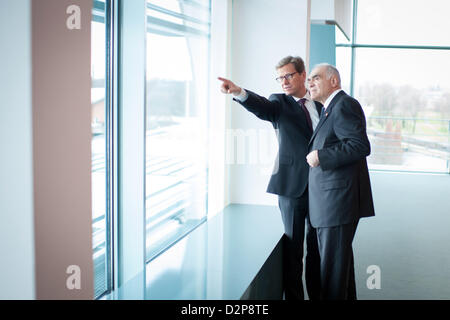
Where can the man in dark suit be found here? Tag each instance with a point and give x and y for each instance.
(339, 185)
(293, 115)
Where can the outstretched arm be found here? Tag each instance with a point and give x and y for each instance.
(263, 108)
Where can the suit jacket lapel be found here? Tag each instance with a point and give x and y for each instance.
(292, 101)
(318, 106)
(327, 113)
(296, 106)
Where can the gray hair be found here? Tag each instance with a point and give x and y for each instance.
(330, 70)
(296, 61)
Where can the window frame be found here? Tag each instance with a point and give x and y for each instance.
(107, 10)
(354, 45)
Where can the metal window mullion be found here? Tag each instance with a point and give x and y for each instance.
(353, 54)
(111, 106)
(391, 46)
(111, 141)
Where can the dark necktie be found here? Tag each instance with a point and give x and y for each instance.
(301, 102)
(322, 113)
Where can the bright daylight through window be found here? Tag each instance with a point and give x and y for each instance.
(176, 102)
(399, 63)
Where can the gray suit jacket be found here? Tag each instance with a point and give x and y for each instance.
(339, 188)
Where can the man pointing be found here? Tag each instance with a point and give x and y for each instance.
(294, 115)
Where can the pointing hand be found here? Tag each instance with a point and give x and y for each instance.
(229, 87)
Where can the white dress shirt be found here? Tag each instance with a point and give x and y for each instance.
(327, 102)
(310, 105)
(242, 96)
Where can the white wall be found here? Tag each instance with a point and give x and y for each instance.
(322, 9)
(339, 11)
(344, 16)
(264, 31)
(16, 192)
(218, 104)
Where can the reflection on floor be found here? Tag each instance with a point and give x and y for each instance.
(220, 258)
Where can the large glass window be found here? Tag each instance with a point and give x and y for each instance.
(344, 61)
(176, 121)
(99, 149)
(406, 22)
(399, 78)
(407, 104)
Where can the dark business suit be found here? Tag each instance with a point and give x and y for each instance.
(289, 181)
(339, 192)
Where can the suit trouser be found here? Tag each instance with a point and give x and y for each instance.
(293, 213)
(337, 273)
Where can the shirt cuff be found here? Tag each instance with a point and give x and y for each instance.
(242, 96)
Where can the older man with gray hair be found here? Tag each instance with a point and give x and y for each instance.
(339, 185)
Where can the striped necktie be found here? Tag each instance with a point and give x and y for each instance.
(301, 102)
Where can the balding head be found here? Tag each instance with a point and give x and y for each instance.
(330, 71)
(323, 80)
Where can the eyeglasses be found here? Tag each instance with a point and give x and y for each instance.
(288, 77)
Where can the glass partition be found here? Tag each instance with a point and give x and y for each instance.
(406, 99)
(397, 63)
(406, 22)
(176, 121)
